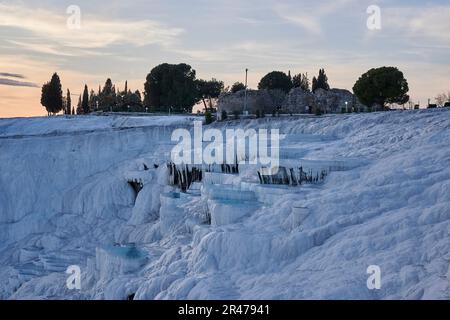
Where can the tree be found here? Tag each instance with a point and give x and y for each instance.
(208, 117)
(314, 84)
(209, 90)
(382, 86)
(276, 80)
(297, 80)
(85, 101)
(45, 96)
(321, 82)
(68, 103)
(134, 100)
(171, 87)
(442, 98)
(237, 86)
(108, 88)
(79, 108)
(301, 81)
(51, 96)
(107, 96)
(93, 100)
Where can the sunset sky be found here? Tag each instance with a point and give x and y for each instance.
(124, 40)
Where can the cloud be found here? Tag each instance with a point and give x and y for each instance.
(309, 15)
(50, 28)
(308, 22)
(52, 49)
(238, 53)
(41, 48)
(16, 83)
(426, 23)
(11, 75)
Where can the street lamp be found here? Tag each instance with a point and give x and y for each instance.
(245, 99)
(346, 106)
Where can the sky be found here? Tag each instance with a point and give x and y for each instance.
(124, 40)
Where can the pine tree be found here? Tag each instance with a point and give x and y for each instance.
(79, 108)
(68, 103)
(296, 81)
(314, 84)
(107, 89)
(276, 80)
(108, 97)
(237, 86)
(301, 81)
(85, 101)
(93, 100)
(322, 80)
(382, 87)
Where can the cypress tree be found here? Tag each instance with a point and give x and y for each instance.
(301, 81)
(322, 80)
(69, 103)
(52, 96)
(85, 101)
(314, 84)
(79, 108)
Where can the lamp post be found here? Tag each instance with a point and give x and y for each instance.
(245, 99)
(346, 106)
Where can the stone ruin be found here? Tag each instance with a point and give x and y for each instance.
(297, 101)
(257, 100)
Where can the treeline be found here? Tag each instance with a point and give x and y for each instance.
(380, 87)
(443, 100)
(168, 88)
(174, 88)
(277, 80)
(105, 99)
(108, 98)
